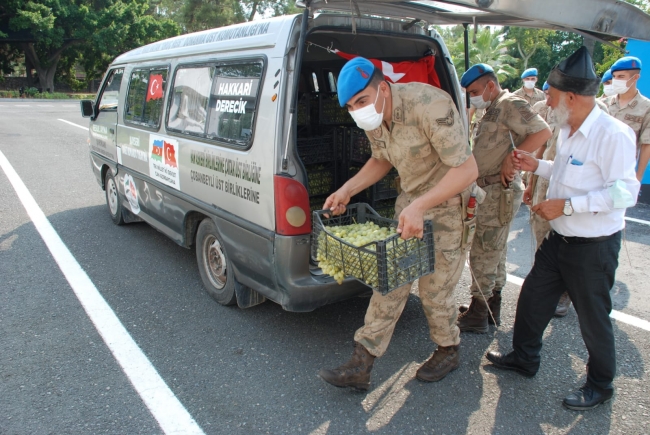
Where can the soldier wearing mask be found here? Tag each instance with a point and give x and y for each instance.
(415, 128)
(631, 107)
(508, 121)
(528, 91)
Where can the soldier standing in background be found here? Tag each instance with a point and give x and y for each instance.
(631, 107)
(528, 91)
(508, 120)
(607, 87)
(415, 128)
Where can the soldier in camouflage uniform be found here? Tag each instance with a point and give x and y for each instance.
(508, 120)
(631, 107)
(528, 91)
(419, 132)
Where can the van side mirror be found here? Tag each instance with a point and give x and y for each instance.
(87, 108)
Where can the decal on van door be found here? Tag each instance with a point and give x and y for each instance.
(163, 165)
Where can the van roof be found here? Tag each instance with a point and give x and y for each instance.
(253, 34)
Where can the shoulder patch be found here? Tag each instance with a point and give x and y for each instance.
(638, 119)
(633, 104)
(448, 120)
(376, 133)
(524, 109)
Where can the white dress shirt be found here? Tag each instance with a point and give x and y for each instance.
(600, 152)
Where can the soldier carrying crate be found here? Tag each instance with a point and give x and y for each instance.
(415, 128)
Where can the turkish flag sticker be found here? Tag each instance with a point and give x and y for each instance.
(155, 90)
(170, 155)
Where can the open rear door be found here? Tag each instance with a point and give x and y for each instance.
(601, 19)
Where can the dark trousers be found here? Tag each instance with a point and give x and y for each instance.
(587, 272)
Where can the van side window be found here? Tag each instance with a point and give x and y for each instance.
(144, 100)
(188, 110)
(111, 94)
(331, 79)
(233, 103)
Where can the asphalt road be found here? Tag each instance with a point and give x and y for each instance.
(254, 371)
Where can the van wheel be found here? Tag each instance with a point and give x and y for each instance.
(113, 198)
(214, 265)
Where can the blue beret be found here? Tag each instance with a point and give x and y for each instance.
(627, 62)
(530, 72)
(545, 87)
(607, 76)
(478, 70)
(353, 78)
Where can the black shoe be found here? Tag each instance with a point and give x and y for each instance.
(586, 398)
(510, 362)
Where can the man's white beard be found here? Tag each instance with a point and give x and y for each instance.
(561, 113)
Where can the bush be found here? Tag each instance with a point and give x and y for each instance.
(9, 94)
(31, 92)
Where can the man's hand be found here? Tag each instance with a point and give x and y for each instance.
(550, 209)
(411, 222)
(337, 201)
(508, 170)
(524, 162)
(528, 195)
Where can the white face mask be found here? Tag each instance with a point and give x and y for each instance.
(619, 86)
(367, 117)
(608, 90)
(479, 102)
(529, 84)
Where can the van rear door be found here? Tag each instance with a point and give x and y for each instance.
(602, 19)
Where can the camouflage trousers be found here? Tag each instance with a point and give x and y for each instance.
(539, 226)
(436, 290)
(487, 258)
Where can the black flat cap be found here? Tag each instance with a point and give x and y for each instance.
(576, 74)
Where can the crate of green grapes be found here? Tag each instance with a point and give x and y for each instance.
(362, 244)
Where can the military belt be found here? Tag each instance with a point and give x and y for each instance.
(488, 180)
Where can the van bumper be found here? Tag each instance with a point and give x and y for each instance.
(299, 289)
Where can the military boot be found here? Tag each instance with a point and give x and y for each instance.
(563, 306)
(354, 373)
(475, 319)
(443, 361)
(494, 302)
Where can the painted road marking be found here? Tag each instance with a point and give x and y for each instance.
(170, 413)
(638, 221)
(45, 105)
(72, 123)
(618, 315)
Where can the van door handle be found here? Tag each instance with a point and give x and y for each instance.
(112, 130)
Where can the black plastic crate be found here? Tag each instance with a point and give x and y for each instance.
(358, 146)
(321, 179)
(317, 149)
(384, 265)
(384, 207)
(330, 112)
(316, 202)
(385, 188)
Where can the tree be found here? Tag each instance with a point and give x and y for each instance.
(490, 48)
(96, 29)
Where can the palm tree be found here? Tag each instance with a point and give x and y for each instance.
(490, 48)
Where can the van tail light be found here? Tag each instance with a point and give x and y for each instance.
(292, 214)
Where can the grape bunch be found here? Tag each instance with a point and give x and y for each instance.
(359, 257)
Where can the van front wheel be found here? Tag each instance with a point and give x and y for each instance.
(113, 198)
(214, 266)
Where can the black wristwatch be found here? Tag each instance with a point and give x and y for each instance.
(568, 208)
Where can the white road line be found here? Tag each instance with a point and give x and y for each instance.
(617, 315)
(22, 105)
(638, 221)
(170, 413)
(45, 105)
(72, 123)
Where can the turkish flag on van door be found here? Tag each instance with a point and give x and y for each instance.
(421, 70)
(155, 90)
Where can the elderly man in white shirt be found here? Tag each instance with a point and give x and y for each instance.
(592, 182)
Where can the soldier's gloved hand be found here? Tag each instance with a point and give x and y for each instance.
(508, 170)
(528, 195)
(337, 201)
(411, 222)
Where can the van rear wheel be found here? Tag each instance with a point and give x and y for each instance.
(214, 266)
(113, 198)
